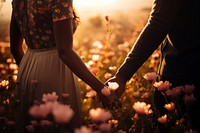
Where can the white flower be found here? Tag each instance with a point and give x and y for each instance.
(99, 115)
(113, 85)
(50, 97)
(98, 44)
(91, 93)
(95, 57)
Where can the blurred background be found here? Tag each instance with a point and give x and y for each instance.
(87, 9)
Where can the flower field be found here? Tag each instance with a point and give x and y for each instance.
(103, 43)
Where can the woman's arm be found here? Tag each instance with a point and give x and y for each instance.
(16, 41)
(64, 40)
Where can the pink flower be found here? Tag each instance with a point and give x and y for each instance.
(106, 91)
(30, 129)
(113, 85)
(150, 76)
(163, 119)
(121, 131)
(46, 123)
(62, 113)
(91, 93)
(142, 108)
(169, 93)
(170, 106)
(35, 111)
(191, 131)
(99, 115)
(136, 94)
(50, 97)
(83, 129)
(65, 95)
(189, 89)
(105, 127)
(145, 95)
(94, 70)
(34, 123)
(42, 110)
(162, 86)
(45, 109)
(176, 91)
(189, 99)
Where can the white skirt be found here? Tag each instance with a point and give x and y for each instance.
(42, 71)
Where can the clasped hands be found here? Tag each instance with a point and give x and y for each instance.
(112, 101)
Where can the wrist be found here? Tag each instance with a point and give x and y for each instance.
(120, 78)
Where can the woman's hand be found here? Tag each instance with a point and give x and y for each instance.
(121, 82)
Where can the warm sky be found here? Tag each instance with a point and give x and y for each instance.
(91, 7)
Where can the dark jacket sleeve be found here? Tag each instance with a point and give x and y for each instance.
(160, 22)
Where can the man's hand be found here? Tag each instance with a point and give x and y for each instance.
(121, 82)
(115, 98)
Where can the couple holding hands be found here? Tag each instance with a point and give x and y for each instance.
(47, 26)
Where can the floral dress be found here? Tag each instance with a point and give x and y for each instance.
(41, 71)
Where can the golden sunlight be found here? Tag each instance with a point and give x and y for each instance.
(95, 3)
(92, 7)
(104, 4)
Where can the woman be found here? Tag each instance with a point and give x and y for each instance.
(50, 61)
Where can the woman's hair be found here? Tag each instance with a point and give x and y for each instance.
(76, 16)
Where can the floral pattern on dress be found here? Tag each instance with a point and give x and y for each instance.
(36, 23)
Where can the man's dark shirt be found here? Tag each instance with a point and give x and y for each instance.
(176, 25)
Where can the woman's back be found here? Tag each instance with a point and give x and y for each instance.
(35, 19)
